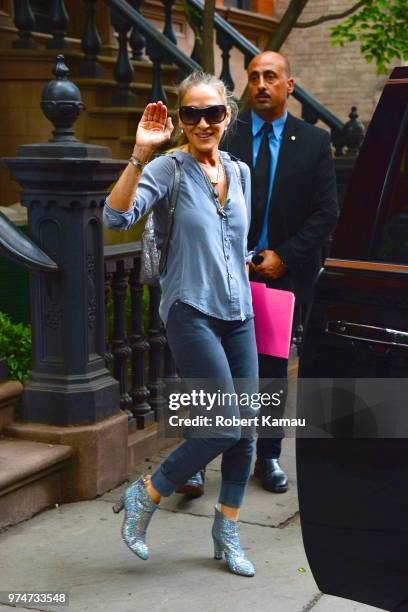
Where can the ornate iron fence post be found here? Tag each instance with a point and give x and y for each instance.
(137, 41)
(91, 44)
(225, 44)
(59, 22)
(140, 393)
(353, 133)
(168, 29)
(123, 71)
(156, 55)
(108, 282)
(63, 186)
(25, 23)
(120, 348)
(196, 24)
(347, 143)
(157, 341)
(352, 136)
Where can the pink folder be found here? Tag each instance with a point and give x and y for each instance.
(273, 309)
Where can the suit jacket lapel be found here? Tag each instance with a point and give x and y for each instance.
(244, 133)
(286, 151)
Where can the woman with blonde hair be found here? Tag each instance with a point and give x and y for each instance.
(206, 301)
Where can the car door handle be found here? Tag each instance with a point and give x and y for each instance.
(367, 333)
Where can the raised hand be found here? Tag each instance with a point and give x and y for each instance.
(155, 127)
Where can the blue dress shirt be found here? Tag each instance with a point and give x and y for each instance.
(275, 140)
(205, 265)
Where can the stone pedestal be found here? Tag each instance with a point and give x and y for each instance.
(64, 183)
(70, 397)
(99, 461)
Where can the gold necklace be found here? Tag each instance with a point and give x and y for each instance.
(216, 180)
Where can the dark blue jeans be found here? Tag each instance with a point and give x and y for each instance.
(206, 347)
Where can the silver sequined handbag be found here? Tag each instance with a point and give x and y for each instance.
(150, 258)
(153, 261)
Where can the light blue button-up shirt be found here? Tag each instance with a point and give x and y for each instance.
(205, 265)
(275, 140)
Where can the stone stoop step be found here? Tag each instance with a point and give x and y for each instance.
(30, 477)
(10, 392)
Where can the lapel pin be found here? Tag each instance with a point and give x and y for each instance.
(293, 137)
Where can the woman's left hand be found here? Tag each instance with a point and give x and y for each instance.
(155, 127)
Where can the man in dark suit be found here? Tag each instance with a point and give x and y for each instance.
(294, 210)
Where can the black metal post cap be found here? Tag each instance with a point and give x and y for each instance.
(61, 103)
(353, 132)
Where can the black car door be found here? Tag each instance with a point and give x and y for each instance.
(352, 458)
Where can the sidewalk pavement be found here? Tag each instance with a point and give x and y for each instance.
(78, 548)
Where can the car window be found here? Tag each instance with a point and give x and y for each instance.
(391, 236)
(373, 181)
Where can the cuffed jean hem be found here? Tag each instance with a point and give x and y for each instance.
(232, 494)
(162, 484)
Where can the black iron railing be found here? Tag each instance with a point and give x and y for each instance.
(136, 32)
(136, 344)
(136, 347)
(22, 250)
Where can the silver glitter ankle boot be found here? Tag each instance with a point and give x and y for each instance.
(225, 535)
(139, 509)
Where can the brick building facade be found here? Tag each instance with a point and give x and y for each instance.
(338, 77)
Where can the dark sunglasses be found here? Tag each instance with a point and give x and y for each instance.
(190, 115)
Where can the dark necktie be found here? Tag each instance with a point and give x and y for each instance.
(261, 185)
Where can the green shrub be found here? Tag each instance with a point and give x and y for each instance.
(15, 345)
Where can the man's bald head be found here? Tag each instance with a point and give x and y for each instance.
(269, 84)
(274, 56)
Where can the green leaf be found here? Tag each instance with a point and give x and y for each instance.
(381, 28)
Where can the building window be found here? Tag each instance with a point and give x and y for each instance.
(246, 5)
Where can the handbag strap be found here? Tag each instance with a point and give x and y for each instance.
(170, 218)
(238, 171)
